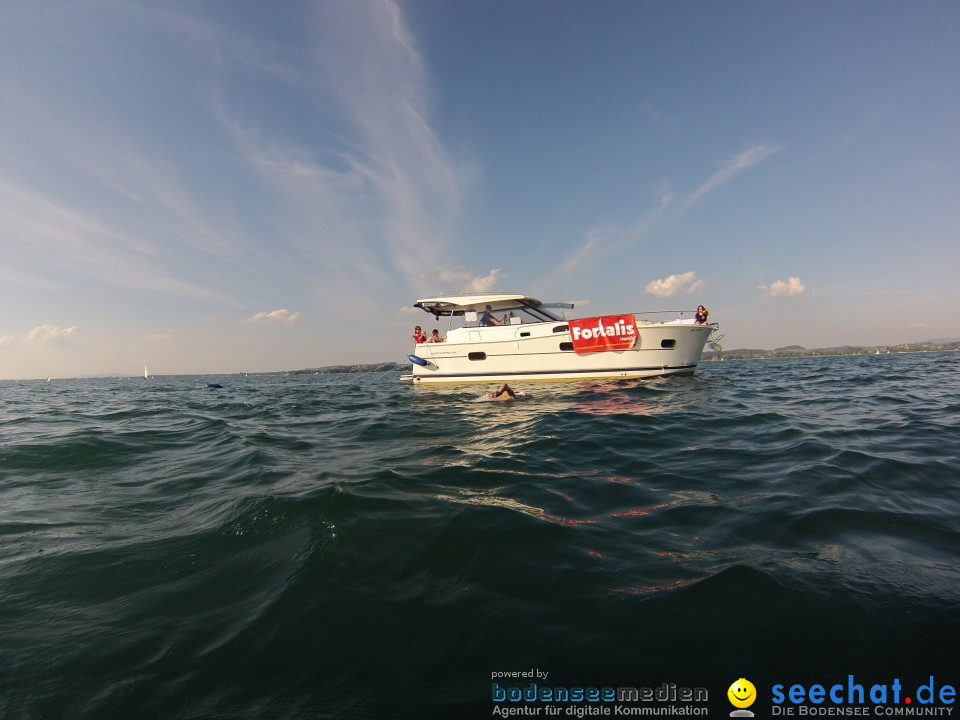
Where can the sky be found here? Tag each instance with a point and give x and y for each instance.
(219, 186)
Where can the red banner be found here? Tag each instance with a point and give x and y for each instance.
(610, 332)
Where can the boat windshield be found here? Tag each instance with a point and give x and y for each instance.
(514, 313)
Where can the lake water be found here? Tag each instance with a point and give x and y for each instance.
(349, 546)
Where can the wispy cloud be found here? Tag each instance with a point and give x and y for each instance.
(368, 193)
(380, 196)
(219, 45)
(7, 341)
(51, 334)
(157, 337)
(282, 315)
(108, 198)
(789, 288)
(596, 240)
(733, 167)
(672, 284)
(603, 241)
(72, 242)
(381, 79)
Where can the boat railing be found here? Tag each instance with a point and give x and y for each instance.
(661, 316)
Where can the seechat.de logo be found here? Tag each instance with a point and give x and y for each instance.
(742, 695)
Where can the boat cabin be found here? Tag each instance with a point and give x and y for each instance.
(466, 311)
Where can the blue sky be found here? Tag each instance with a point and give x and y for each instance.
(214, 187)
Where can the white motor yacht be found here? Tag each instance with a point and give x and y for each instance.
(499, 338)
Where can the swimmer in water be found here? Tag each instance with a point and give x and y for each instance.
(503, 394)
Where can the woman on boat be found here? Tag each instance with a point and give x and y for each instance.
(702, 315)
(418, 336)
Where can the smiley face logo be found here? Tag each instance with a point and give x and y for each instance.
(742, 693)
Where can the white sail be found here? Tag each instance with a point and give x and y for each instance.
(146, 375)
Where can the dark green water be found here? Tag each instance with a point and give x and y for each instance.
(348, 546)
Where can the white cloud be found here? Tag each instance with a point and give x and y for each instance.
(468, 284)
(276, 316)
(733, 167)
(671, 285)
(7, 340)
(486, 283)
(783, 289)
(51, 334)
(156, 337)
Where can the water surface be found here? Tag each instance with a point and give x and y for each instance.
(313, 546)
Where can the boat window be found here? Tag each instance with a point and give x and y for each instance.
(540, 312)
(477, 356)
(513, 312)
(561, 328)
(524, 334)
(566, 346)
(668, 344)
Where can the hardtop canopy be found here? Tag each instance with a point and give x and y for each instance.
(458, 304)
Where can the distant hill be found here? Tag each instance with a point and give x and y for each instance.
(339, 369)
(800, 351)
(787, 351)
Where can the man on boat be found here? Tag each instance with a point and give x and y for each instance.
(488, 319)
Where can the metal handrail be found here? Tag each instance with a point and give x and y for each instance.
(665, 312)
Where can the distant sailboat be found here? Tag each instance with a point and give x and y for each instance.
(48, 377)
(146, 375)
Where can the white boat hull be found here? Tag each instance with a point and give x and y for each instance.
(543, 352)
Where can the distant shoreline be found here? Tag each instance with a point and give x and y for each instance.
(792, 351)
(797, 351)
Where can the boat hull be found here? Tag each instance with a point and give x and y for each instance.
(543, 352)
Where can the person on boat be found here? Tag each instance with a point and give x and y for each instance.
(418, 336)
(504, 393)
(488, 319)
(435, 337)
(702, 315)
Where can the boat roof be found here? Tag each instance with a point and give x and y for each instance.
(461, 304)
(466, 302)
